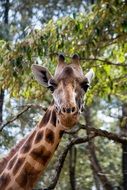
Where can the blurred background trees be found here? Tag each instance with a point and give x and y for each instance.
(35, 32)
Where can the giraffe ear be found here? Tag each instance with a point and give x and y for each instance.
(90, 75)
(41, 74)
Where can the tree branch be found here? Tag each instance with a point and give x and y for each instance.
(72, 167)
(1, 105)
(104, 61)
(104, 133)
(95, 165)
(35, 106)
(26, 108)
(15, 117)
(99, 132)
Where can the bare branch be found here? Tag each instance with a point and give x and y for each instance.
(99, 132)
(95, 164)
(15, 117)
(104, 61)
(26, 108)
(35, 106)
(104, 133)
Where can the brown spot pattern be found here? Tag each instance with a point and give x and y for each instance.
(4, 181)
(49, 136)
(40, 154)
(18, 165)
(12, 162)
(53, 118)
(45, 119)
(39, 137)
(27, 146)
(5, 160)
(28, 176)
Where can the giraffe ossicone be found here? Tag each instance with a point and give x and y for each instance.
(21, 169)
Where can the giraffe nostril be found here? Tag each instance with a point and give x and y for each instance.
(73, 109)
(64, 110)
(68, 110)
(56, 108)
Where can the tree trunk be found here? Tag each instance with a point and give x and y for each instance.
(95, 165)
(124, 146)
(96, 179)
(6, 11)
(97, 168)
(1, 105)
(124, 165)
(6, 5)
(72, 165)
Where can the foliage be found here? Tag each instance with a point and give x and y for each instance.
(99, 36)
(21, 16)
(93, 36)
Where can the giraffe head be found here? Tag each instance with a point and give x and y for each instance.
(68, 86)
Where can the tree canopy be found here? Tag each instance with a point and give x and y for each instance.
(99, 35)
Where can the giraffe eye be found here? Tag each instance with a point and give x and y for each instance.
(84, 85)
(51, 88)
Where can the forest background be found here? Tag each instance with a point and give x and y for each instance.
(35, 32)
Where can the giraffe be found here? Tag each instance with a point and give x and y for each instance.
(26, 162)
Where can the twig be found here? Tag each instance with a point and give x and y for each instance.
(26, 108)
(15, 117)
(35, 106)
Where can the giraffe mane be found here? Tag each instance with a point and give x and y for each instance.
(4, 161)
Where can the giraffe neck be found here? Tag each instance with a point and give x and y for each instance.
(27, 164)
